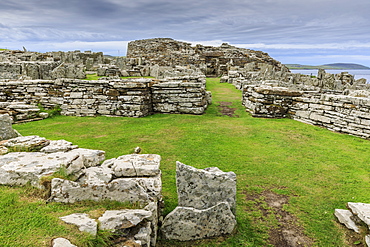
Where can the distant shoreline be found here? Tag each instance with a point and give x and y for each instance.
(333, 66)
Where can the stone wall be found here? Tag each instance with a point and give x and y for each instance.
(180, 96)
(111, 97)
(212, 61)
(268, 74)
(48, 66)
(332, 110)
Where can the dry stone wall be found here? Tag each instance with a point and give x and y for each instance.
(331, 110)
(180, 96)
(112, 97)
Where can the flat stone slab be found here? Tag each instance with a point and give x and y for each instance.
(135, 165)
(344, 217)
(26, 143)
(362, 210)
(122, 190)
(185, 223)
(58, 146)
(83, 222)
(19, 168)
(120, 219)
(205, 188)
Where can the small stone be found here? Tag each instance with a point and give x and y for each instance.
(83, 222)
(62, 242)
(44, 115)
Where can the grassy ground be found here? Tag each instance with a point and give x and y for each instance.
(317, 169)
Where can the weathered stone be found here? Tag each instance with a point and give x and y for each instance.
(344, 217)
(3, 150)
(185, 223)
(83, 222)
(62, 242)
(144, 235)
(135, 165)
(58, 146)
(20, 168)
(367, 240)
(26, 143)
(154, 219)
(205, 188)
(6, 129)
(361, 210)
(120, 219)
(122, 190)
(96, 175)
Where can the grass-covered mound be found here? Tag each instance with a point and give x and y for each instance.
(309, 170)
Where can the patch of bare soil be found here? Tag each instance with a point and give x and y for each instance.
(226, 110)
(288, 233)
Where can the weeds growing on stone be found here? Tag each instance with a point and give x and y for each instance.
(316, 170)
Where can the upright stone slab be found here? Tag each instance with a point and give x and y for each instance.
(6, 130)
(202, 189)
(185, 223)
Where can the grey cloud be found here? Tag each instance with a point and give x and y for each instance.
(234, 21)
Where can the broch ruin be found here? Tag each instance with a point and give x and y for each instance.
(31, 82)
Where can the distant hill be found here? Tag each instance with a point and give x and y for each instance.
(328, 66)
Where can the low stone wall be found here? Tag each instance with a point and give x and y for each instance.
(267, 101)
(180, 96)
(340, 113)
(334, 111)
(112, 97)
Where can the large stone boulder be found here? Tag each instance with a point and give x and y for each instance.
(6, 130)
(185, 223)
(202, 189)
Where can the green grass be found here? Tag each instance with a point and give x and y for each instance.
(319, 170)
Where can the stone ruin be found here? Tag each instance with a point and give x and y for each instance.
(31, 80)
(133, 178)
(211, 61)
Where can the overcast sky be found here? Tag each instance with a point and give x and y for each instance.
(292, 31)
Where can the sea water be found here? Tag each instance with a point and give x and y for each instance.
(358, 73)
